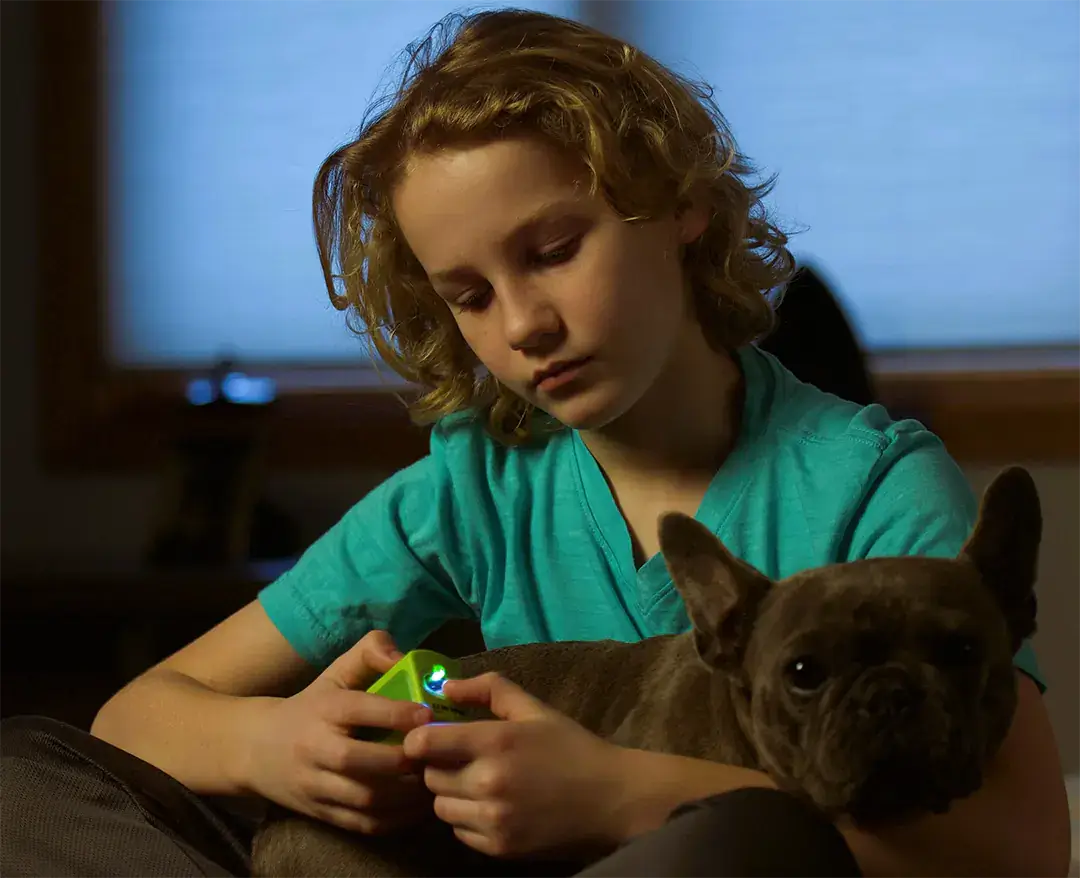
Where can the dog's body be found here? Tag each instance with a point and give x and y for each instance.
(877, 689)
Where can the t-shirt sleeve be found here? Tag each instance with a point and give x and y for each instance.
(383, 565)
(920, 503)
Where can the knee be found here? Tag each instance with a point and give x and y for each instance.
(765, 832)
(745, 805)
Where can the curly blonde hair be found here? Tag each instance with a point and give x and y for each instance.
(649, 138)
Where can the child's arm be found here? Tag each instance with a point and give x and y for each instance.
(542, 783)
(221, 717)
(243, 708)
(1017, 824)
(184, 715)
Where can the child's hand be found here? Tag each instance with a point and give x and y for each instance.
(304, 758)
(535, 784)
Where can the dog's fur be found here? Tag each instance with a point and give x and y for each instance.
(876, 689)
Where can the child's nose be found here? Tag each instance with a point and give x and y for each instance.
(529, 322)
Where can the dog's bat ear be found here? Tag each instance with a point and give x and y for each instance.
(722, 593)
(1004, 547)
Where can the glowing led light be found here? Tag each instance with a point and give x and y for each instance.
(434, 681)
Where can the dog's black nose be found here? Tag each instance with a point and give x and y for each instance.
(906, 698)
(899, 698)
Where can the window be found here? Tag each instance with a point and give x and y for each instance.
(220, 115)
(931, 149)
(177, 143)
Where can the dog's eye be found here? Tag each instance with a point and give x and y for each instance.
(955, 649)
(805, 673)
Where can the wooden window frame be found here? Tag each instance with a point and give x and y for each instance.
(988, 406)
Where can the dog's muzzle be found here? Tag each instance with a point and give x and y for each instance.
(891, 713)
(890, 694)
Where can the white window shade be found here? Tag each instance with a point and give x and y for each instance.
(932, 148)
(220, 115)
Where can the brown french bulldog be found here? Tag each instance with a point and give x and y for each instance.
(876, 689)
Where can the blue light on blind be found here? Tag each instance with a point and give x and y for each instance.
(933, 149)
(220, 114)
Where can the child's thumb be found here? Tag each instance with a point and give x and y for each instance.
(371, 656)
(498, 695)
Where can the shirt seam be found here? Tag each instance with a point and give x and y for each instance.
(590, 516)
(877, 441)
(669, 585)
(322, 634)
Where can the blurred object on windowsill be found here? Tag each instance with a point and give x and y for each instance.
(210, 511)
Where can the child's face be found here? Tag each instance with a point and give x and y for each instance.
(538, 275)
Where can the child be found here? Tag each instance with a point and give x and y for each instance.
(556, 238)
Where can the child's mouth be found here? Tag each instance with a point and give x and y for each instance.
(559, 375)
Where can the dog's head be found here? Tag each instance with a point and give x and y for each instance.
(878, 688)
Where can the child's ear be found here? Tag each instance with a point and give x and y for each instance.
(722, 594)
(1004, 547)
(692, 219)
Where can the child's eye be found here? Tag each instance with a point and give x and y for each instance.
(563, 252)
(475, 301)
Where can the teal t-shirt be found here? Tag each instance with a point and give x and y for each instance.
(529, 541)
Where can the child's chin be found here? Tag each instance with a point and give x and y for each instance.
(591, 410)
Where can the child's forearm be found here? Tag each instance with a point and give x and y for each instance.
(1009, 827)
(201, 737)
(655, 784)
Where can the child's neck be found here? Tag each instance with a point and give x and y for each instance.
(684, 427)
(664, 453)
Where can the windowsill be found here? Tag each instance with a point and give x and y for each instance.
(887, 366)
(981, 361)
(989, 407)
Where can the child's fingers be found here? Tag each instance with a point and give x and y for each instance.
(382, 650)
(466, 814)
(362, 759)
(478, 841)
(366, 823)
(503, 698)
(376, 795)
(372, 655)
(474, 691)
(456, 743)
(446, 782)
(348, 709)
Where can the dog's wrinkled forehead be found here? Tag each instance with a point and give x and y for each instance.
(884, 599)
